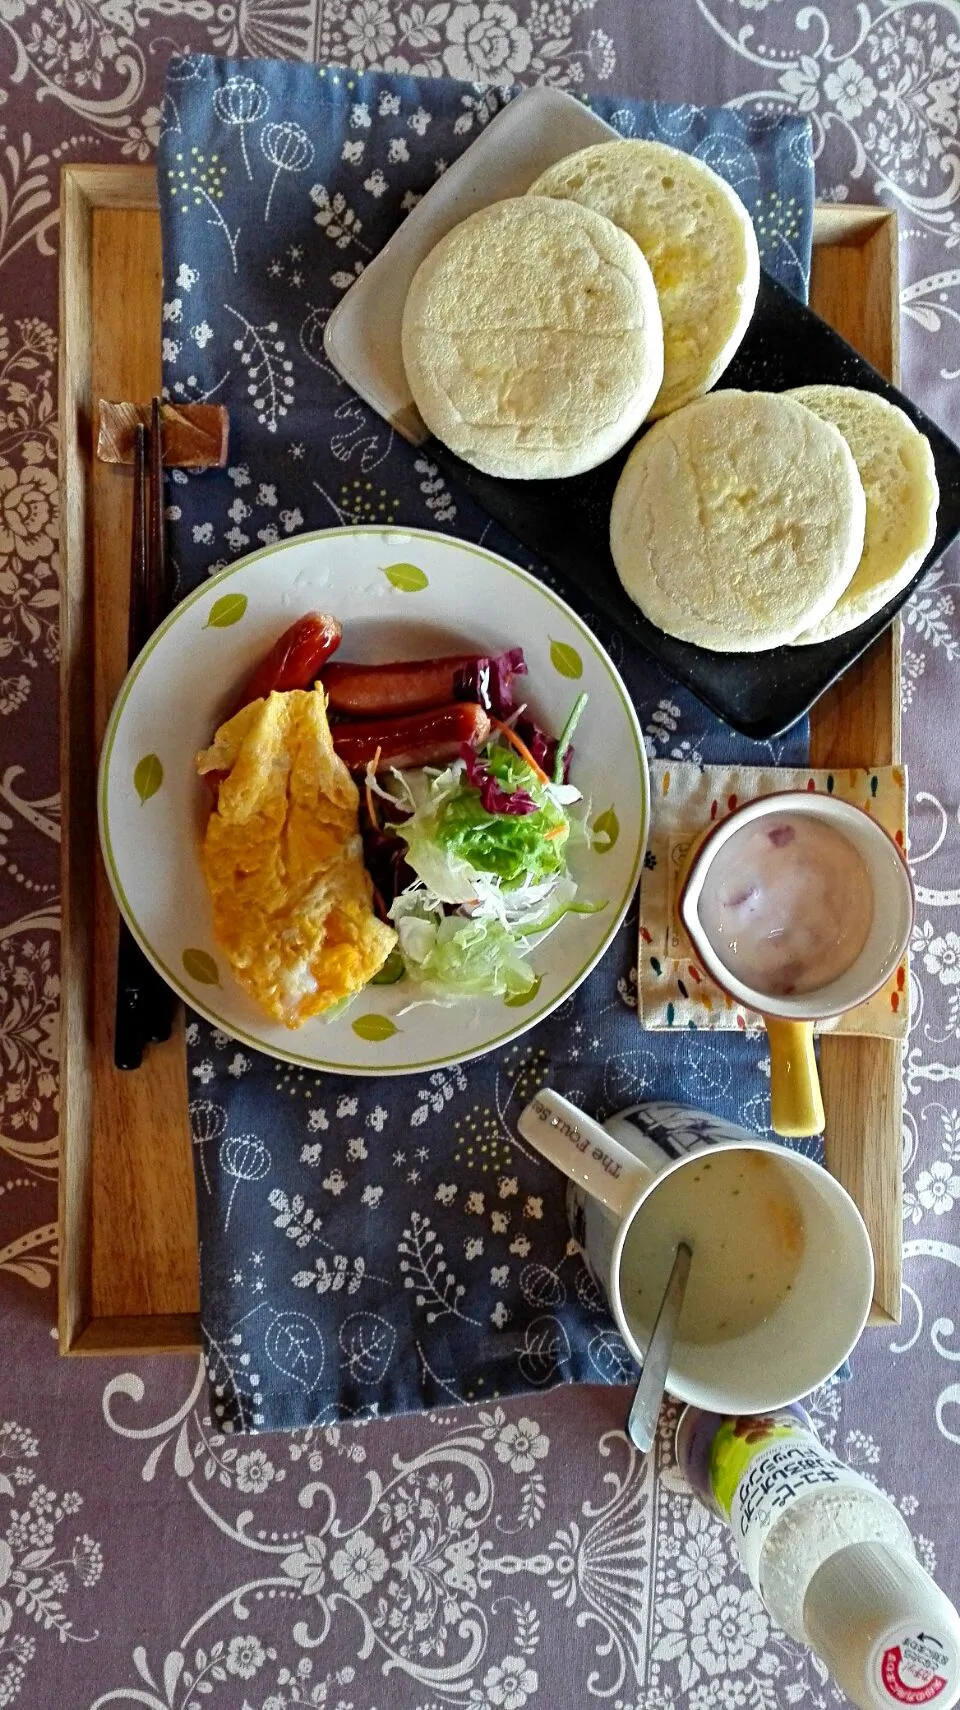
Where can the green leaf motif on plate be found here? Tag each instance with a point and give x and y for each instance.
(520, 999)
(406, 578)
(201, 967)
(374, 1028)
(229, 609)
(566, 659)
(606, 830)
(393, 970)
(147, 777)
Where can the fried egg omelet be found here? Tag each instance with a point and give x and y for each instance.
(283, 860)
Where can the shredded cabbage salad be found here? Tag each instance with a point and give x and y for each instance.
(486, 840)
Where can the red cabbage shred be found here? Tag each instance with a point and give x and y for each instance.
(493, 797)
(489, 681)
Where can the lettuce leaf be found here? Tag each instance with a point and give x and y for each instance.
(452, 834)
(487, 840)
(453, 956)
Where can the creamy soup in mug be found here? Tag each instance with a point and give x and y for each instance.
(737, 1211)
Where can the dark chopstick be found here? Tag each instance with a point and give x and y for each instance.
(128, 1034)
(159, 999)
(139, 547)
(144, 1008)
(157, 591)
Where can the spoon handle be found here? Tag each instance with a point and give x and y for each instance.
(642, 1420)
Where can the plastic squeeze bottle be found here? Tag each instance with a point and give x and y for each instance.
(829, 1555)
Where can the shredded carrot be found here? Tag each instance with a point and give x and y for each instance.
(557, 831)
(371, 807)
(521, 748)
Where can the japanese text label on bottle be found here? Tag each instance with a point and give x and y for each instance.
(759, 1467)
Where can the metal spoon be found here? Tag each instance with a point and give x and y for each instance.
(645, 1409)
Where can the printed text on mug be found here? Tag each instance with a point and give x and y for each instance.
(578, 1140)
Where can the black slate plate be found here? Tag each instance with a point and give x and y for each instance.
(567, 524)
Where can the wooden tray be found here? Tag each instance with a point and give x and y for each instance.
(128, 1266)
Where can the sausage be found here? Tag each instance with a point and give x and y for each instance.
(295, 661)
(410, 685)
(422, 739)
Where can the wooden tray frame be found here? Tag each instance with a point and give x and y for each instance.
(128, 1252)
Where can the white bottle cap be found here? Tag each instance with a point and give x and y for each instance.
(886, 1632)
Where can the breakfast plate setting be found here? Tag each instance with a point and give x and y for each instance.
(398, 596)
(500, 951)
(374, 796)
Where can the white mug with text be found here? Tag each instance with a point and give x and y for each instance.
(614, 1171)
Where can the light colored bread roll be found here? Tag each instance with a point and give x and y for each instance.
(899, 479)
(532, 339)
(698, 238)
(738, 521)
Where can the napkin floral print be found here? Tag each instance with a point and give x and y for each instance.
(629, 1586)
(361, 1254)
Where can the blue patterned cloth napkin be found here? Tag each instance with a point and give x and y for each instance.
(375, 1246)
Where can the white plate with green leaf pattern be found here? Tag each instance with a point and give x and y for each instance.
(399, 594)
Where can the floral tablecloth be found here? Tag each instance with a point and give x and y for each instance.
(508, 1557)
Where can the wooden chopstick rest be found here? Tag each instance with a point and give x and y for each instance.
(194, 436)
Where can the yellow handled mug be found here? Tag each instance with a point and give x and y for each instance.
(795, 1097)
(796, 1102)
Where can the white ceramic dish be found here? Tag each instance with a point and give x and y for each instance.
(795, 1097)
(615, 1173)
(362, 337)
(446, 596)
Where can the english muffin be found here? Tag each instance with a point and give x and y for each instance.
(532, 338)
(738, 521)
(896, 467)
(698, 238)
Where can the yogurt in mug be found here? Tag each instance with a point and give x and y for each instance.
(787, 905)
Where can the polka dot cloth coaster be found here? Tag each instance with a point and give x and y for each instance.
(673, 988)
